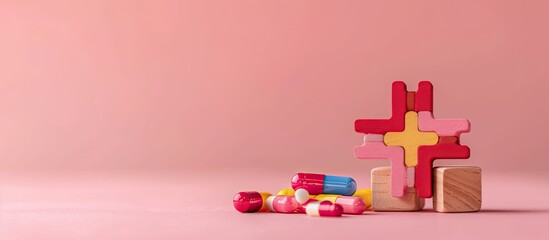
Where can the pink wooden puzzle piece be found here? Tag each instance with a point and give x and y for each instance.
(427, 155)
(393, 124)
(424, 97)
(372, 149)
(443, 127)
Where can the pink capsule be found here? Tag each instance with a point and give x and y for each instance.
(282, 204)
(350, 204)
(324, 209)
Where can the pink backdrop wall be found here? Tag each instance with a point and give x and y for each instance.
(266, 85)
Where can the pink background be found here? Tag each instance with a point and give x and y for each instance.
(97, 97)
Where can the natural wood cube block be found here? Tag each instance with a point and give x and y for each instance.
(457, 189)
(382, 200)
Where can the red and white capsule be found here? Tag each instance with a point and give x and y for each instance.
(303, 207)
(324, 209)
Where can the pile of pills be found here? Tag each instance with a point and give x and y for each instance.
(311, 193)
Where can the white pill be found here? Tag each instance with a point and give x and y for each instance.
(301, 195)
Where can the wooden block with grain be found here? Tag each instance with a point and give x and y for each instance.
(382, 200)
(457, 189)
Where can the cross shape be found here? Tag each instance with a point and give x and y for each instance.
(438, 138)
(410, 139)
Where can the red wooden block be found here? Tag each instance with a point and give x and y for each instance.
(410, 101)
(393, 124)
(427, 155)
(448, 139)
(424, 96)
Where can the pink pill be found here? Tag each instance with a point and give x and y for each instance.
(282, 204)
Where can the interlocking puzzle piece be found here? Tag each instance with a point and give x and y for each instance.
(410, 139)
(382, 199)
(443, 127)
(378, 150)
(424, 97)
(393, 124)
(457, 189)
(373, 137)
(426, 156)
(448, 139)
(410, 176)
(410, 101)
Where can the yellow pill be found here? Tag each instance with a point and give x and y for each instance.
(366, 195)
(264, 196)
(327, 197)
(286, 192)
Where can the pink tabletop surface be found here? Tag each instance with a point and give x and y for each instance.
(183, 205)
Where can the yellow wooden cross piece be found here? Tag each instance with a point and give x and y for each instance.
(410, 139)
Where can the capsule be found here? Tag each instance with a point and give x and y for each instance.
(320, 183)
(350, 204)
(250, 201)
(301, 195)
(366, 195)
(324, 209)
(302, 207)
(286, 192)
(281, 204)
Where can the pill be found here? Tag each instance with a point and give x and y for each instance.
(286, 192)
(281, 204)
(350, 204)
(320, 183)
(302, 207)
(290, 192)
(301, 195)
(366, 195)
(324, 209)
(250, 201)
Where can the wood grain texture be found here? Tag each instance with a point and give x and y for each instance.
(457, 189)
(382, 200)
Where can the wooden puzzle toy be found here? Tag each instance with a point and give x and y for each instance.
(410, 139)
(457, 189)
(382, 200)
(423, 138)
